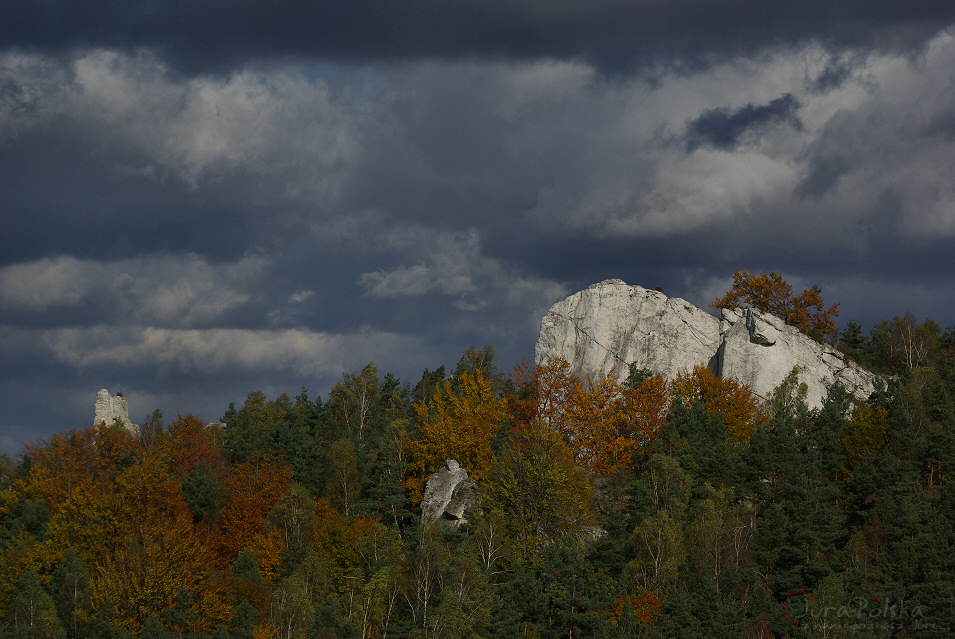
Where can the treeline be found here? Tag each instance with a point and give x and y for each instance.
(611, 509)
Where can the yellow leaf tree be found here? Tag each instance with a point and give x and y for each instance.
(456, 425)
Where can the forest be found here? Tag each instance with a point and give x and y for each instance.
(633, 508)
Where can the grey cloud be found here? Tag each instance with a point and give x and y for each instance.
(186, 237)
(213, 351)
(456, 267)
(179, 291)
(613, 33)
(824, 174)
(723, 128)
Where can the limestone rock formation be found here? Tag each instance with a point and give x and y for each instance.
(759, 350)
(612, 324)
(108, 409)
(448, 493)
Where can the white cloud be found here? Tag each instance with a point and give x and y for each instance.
(220, 351)
(165, 289)
(455, 266)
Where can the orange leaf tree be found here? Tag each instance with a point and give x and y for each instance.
(159, 552)
(544, 393)
(646, 407)
(597, 425)
(721, 396)
(190, 445)
(252, 489)
(770, 293)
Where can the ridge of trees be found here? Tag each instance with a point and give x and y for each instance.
(616, 506)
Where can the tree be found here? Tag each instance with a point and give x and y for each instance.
(154, 628)
(598, 427)
(905, 342)
(343, 485)
(543, 393)
(190, 445)
(251, 490)
(72, 590)
(479, 362)
(151, 429)
(770, 293)
(721, 396)
(646, 405)
(33, 611)
(354, 400)
(544, 497)
(457, 426)
(864, 432)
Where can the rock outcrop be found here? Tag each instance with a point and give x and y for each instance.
(759, 350)
(612, 324)
(448, 493)
(108, 409)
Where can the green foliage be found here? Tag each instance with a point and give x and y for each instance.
(543, 496)
(154, 628)
(32, 610)
(101, 625)
(200, 489)
(701, 534)
(72, 592)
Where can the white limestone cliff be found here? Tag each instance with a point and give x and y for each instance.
(611, 325)
(759, 350)
(108, 409)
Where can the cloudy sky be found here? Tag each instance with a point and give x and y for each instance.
(200, 199)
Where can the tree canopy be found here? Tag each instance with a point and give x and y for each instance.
(770, 293)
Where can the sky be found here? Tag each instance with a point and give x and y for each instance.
(201, 199)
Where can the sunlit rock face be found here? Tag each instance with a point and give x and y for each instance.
(610, 325)
(448, 493)
(108, 409)
(759, 350)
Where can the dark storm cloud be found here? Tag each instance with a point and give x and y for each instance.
(335, 189)
(207, 35)
(824, 174)
(723, 128)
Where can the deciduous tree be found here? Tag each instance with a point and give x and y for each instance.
(543, 393)
(770, 293)
(456, 425)
(721, 396)
(539, 490)
(596, 424)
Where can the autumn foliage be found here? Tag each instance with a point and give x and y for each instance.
(770, 293)
(609, 507)
(456, 425)
(735, 402)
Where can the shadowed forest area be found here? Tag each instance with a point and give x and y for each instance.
(611, 508)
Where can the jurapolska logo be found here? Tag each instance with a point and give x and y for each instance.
(878, 609)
